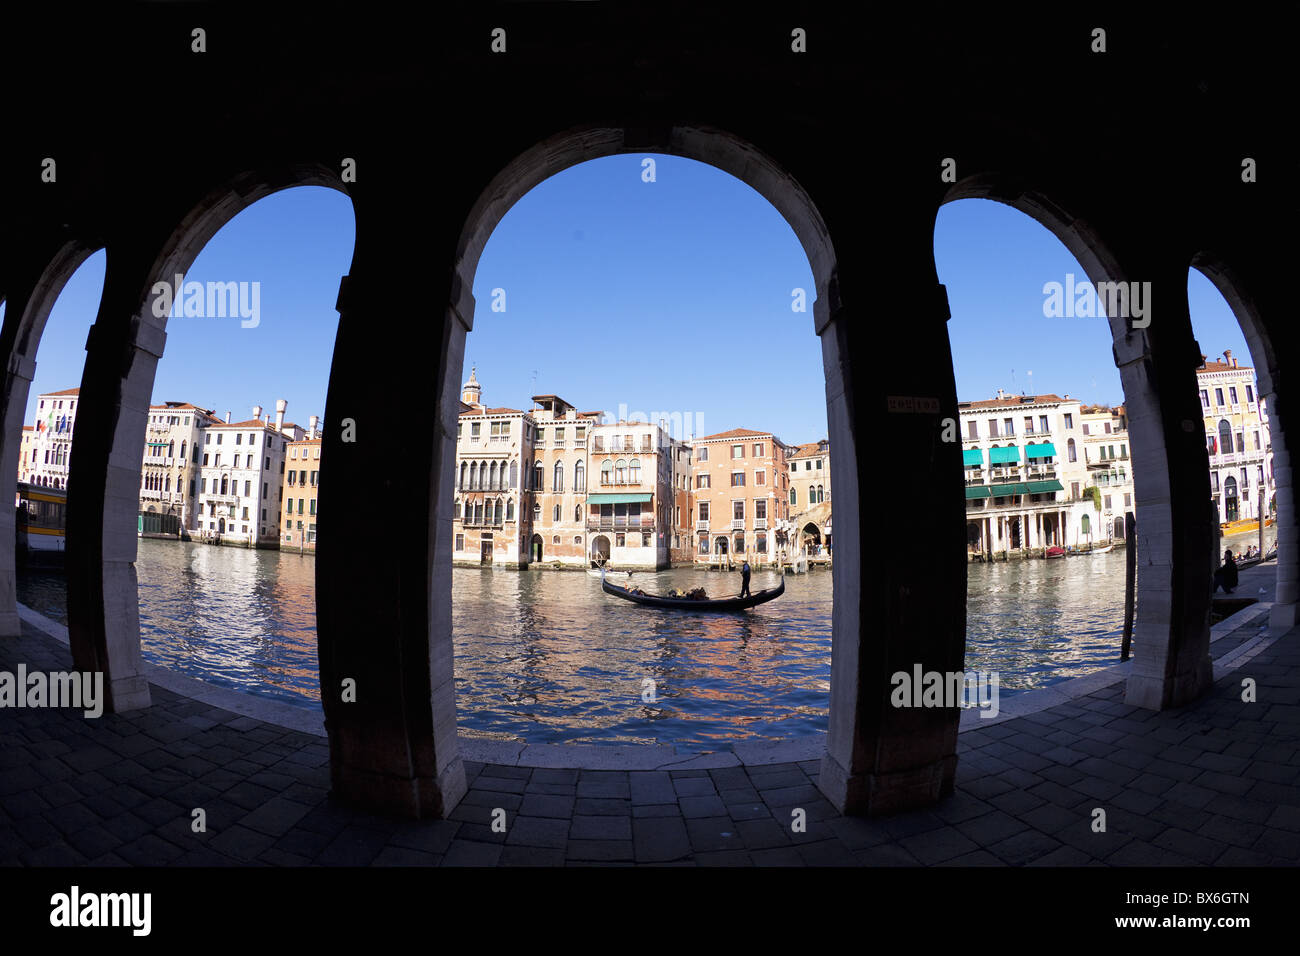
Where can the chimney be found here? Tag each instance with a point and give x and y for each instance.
(227, 418)
(280, 405)
(1227, 358)
(1001, 394)
(257, 411)
(311, 433)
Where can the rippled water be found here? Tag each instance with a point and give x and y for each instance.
(547, 657)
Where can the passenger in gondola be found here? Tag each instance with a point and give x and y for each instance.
(744, 579)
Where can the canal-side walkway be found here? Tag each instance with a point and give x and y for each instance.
(1216, 783)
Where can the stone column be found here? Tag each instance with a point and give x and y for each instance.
(384, 627)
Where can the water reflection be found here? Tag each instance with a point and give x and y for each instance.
(547, 657)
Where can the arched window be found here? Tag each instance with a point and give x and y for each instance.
(492, 481)
(559, 480)
(224, 485)
(821, 494)
(510, 509)
(577, 513)
(555, 515)
(457, 515)
(183, 444)
(794, 496)
(514, 474)
(478, 512)
(537, 476)
(1230, 488)
(537, 514)
(605, 471)
(1074, 455)
(482, 475)
(620, 472)
(167, 483)
(473, 474)
(1225, 437)
(580, 477)
(634, 475)
(496, 513)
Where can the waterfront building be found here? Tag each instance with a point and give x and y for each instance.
(169, 474)
(558, 480)
(51, 447)
(241, 472)
(1106, 454)
(301, 479)
(682, 548)
(742, 491)
(1237, 438)
(492, 516)
(26, 452)
(634, 496)
(810, 494)
(1023, 497)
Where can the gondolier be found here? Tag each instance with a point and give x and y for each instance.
(744, 579)
(637, 596)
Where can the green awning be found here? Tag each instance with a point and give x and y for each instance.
(157, 444)
(618, 499)
(1041, 487)
(1004, 456)
(976, 491)
(972, 456)
(1044, 450)
(1000, 491)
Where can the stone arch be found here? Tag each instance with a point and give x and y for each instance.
(1232, 285)
(1171, 667)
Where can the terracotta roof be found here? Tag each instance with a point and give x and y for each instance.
(493, 411)
(736, 433)
(251, 423)
(66, 391)
(1207, 367)
(306, 441)
(29, 428)
(808, 450)
(1014, 401)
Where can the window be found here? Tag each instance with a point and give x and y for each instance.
(237, 461)
(264, 489)
(794, 466)
(702, 454)
(704, 511)
(1205, 399)
(1070, 450)
(737, 479)
(1009, 426)
(311, 506)
(205, 457)
(248, 485)
(1250, 394)
(1218, 396)
(821, 494)
(807, 465)
(1042, 423)
(537, 476)
(514, 474)
(1232, 394)
(537, 514)
(577, 513)
(474, 429)
(268, 462)
(760, 508)
(577, 539)
(620, 471)
(293, 451)
(634, 471)
(1214, 481)
(1105, 502)
(218, 438)
(558, 485)
(300, 503)
(1225, 437)
(758, 450)
(291, 478)
(738, 510)
(619, 539)
(252, 438)
(645, 539)
(460, 542)
(288, 506)
(1256, 441)
(760, 477)
(1074, 490)
(972, 429)
(993, 428)
(207, 438)
(606, 471)
(1029, 424)
(580, 477)
(510, 510)
(555, 518)
(793, 497)
(1086, 429)
(559, 437)
(245, 516)
(737, 451)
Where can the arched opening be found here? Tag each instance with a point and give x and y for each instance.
(599, 549)
(1236, 383)
(1050, 405)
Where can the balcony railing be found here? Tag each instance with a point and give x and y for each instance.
(702, 525)
(469, 521)
(760, 524)
(737, 524)
(621, 523)
(612, 479)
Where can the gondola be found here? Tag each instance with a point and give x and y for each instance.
(686, 604)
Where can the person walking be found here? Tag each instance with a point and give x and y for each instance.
(744, 579)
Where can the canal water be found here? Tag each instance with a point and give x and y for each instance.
(547, 657)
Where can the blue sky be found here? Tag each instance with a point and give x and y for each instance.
(671, 296)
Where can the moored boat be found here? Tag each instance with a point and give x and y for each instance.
(1054, 552)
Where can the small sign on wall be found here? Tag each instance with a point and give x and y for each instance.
(912, 404)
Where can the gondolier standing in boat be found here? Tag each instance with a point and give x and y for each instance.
(744, 579)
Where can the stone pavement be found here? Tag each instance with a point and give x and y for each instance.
(1214, 783)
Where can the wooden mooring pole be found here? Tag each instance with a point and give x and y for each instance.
(1130, 581)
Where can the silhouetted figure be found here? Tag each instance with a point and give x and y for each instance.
(1226, 576)
(744, 580)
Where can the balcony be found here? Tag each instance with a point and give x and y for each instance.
(470, 521)
(737, 524)
(613, 482)
(760, 524)
(621, 523)
(702, 525)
